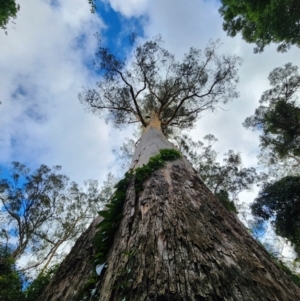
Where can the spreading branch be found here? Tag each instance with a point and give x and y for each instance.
(153, 81)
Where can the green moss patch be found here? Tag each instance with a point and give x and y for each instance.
(112, 215)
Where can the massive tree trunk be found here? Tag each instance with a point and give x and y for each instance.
(177, 242)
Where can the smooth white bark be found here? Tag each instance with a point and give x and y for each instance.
(149, 145)
(151, 142)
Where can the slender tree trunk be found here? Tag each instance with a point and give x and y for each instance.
(177, 242)
(53, 252)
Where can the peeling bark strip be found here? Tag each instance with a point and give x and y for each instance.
(176, 241)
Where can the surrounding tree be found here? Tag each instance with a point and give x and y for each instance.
(278, 116)
(10, 279)
(280, 202)
(35, 288)
(8, 10)
(225, 180)
(42, 212)
(263, 22)
(164, 235)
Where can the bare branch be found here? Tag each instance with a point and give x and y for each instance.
(133, 98)
(155, 81)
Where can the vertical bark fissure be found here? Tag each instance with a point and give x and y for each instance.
(134, 206)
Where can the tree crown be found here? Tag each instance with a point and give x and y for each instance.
(41, 210)
(263, 22)
(279, 115)
(280, 201)
(153, 81)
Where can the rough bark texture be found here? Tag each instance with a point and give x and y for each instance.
(175, 242)
(74, 271)
(186, 246)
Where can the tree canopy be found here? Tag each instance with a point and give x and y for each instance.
(263, 21)
(280, 201)
(278, 116)
(8, 10)
(153, 81)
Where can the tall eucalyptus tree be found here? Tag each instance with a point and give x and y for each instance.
(171, 238)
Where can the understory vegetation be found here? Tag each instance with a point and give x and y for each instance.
(14, 285)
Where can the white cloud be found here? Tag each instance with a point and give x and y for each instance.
(43, 67)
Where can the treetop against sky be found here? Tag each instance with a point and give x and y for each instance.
(154, 81)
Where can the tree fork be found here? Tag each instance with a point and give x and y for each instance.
(177, 242)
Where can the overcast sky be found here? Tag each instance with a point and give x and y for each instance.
(46, 60)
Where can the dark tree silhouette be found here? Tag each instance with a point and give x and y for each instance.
(153, 81)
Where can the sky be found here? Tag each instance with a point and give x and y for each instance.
(46, 59)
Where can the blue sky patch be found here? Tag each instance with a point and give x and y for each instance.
(116, 35)
(54, 3)
(20, 91)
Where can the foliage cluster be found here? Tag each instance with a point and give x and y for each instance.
(10, 279)
(112, 214)
(8, 10)
(263, 22)
(12, 282)
(281, 199)
(156, 162)
(41, 210)
(154, 81)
